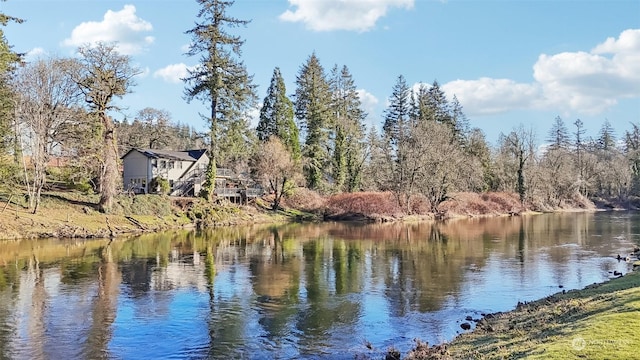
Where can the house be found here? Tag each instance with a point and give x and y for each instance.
(183, 169)
(185, 172)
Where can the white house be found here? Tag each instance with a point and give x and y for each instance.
(183, 169)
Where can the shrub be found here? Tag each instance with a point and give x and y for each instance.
(159, 185)
(305, 200)
(364, 203)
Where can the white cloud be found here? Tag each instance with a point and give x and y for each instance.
(367, 100)
(35, 53)
(327, 15)
(585, 82)
(122, 27)
(369, 103)
(491, 96)
(173, 73)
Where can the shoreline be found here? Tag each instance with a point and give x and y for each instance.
(70, 215)
(598, 321)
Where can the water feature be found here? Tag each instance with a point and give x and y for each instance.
(332, 290)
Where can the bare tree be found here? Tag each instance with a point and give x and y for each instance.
(105, 74)
(47, 96)
(440, 166)
(276, 169)
(519, 145)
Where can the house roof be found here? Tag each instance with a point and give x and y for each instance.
(187, 155)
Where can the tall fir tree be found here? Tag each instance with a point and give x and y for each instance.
(398, 113)
(439, 105)
(220, 80)
(460, 121)
(347, 131)
(558, 134)
(276, 116)
(9, 59)
(420, 105)
(312, 109)
(607, 137)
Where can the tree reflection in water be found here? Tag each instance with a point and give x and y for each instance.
(294, 290)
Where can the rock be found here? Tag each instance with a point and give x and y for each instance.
(468, 318)
(465, 326)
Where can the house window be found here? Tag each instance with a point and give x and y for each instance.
(171, 164)
(179, 164)
(163, 164)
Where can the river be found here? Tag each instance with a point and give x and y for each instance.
(303, 291)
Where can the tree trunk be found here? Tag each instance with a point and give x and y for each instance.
(40, 160)
(110, 178)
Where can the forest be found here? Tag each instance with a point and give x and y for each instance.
(423, 151)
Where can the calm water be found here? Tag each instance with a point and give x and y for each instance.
(296, 291)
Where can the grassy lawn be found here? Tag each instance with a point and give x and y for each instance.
(599, 322)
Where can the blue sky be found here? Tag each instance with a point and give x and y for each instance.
(508, 62)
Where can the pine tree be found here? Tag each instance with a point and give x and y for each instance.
(347, 131)
(439, 105)
(221, 79)
(312, 108)
(558, 135)
(477, 147)
(607, 138)
(420, 107)
(397, 115)
(579, 149)
(276, 116)
(460, 121)
(8, 62)
(632, 149)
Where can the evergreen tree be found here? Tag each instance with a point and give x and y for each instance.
(236, 146)
(221, 79)
(477, 147)
(276, 116)
(607, 138)
(348, 130)
(439, 105)
(8, 61)
(632, 149)
(397, 115)
(579, 150)
(420, 108)
(460, 121)
(558, 135)
(312, 108)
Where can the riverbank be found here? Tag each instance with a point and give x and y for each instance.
(71, 214)
(601, 321)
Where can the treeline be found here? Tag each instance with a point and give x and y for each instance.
(423, 152)
(426, 150)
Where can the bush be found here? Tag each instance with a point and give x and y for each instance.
(492, 203)
(159, 185)
(363, 203)
(305, 200)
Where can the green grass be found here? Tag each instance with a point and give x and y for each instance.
(598, 322)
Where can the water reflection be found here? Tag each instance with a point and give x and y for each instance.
(291, 291)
